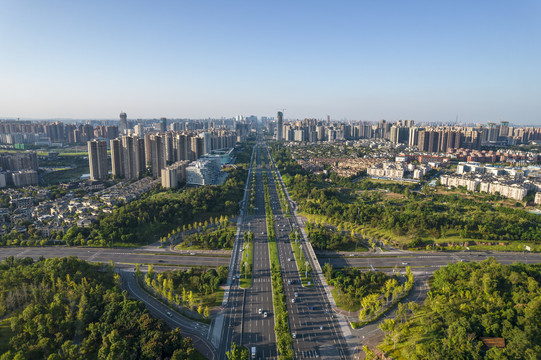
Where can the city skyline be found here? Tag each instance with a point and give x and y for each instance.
(364, 61)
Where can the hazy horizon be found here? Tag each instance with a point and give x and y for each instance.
(426, 61)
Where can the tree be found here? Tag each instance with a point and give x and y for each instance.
(237, 352)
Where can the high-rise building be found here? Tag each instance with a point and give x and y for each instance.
(279, 125)
(157, 154)
(117, 166)
(123, 128)
(197, 147)
(180, 144)
(163, 124)
(131, 156)
(97, 159)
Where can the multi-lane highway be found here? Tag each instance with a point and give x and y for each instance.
(120, 257)
(422, 261)
(313, 324)
(244, 323)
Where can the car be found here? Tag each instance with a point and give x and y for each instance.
(192, 253)
(265, 314)
(288, 259)
(296, 294)
(169, 314)
(294, 335)
(321, 327)
(405, 263)
(289, 282)
(312, 307)
(260, 311)
(262, 233)
(293, 300)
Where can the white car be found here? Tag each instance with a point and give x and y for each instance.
(296, 294)
(294, 335)
(260, 311)
(293, 300)
(265, 314)
(169, 314)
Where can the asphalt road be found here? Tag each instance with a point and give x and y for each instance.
(243, 324)
(423, 261)
(311, 318)
(120, 257)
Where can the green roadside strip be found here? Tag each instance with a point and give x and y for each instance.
(247, 263)
(301, 262)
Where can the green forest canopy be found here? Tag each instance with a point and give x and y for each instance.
(70, 309)
(468, 301)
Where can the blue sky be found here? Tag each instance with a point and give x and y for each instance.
(355, 60)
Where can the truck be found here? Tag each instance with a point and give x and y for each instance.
(253, 352)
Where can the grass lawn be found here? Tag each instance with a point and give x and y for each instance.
(5, 335)
(69, 174)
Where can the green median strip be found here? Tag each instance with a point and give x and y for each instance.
(303, 267)
(247, 263)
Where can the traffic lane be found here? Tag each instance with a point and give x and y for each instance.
(426, 261)
(116, 255)
(324, 328)
(307, 325)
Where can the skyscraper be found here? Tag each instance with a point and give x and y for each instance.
(97, 159)
(123, 128)
(279, 125)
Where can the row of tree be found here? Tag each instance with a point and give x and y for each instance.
(213, 239)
